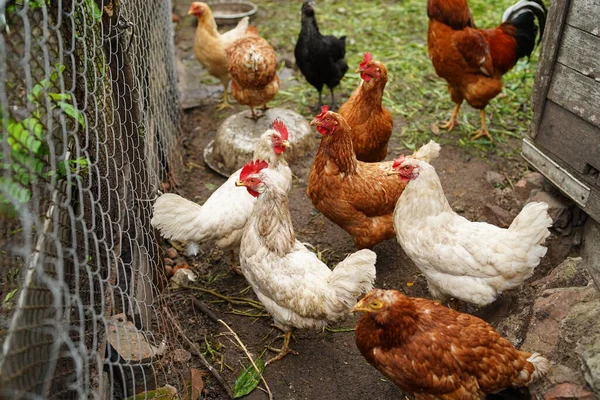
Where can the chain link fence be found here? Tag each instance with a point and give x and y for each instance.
(89, 117)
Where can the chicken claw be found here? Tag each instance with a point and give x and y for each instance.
(483, 130)
(449, 125)
(224, 103)
(285, 349)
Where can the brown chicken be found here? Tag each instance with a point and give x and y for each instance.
(473, 60)
(371, 123)
(359, 197)
(433, 352)
(210, 46)
(253, 68)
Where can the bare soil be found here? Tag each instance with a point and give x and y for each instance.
(329, 365)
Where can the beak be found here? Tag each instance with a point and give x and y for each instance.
(239, 183)
(191, 11)
(359, 307)
(314, 122)
(285, 144)
(393, 172)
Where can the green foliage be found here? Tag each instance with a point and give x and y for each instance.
(395, 32)
(28, 146)
(248, 379)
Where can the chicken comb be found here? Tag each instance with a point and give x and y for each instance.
(368, 57)
(280, 127)
(253, 167)
(398, 161)
(324, 110)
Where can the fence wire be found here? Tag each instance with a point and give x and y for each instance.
(89, 117)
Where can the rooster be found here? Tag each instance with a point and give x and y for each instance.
(371, 123)
(210, 46)
(435, 353)
(319, 57)
(473, 60)
(296, 288)
(223, 216)
(470, 261)
(253, 68)
(358, 196)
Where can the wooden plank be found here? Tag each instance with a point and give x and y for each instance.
(576, 92)
(585, 15)
(549, 52)
(572, 139)
(579, 51)
(592, 203)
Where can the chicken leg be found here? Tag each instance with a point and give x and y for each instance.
(483, 130)
(285, 349)
(224, 103)
(452, 121)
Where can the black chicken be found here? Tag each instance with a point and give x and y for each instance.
(320, 58)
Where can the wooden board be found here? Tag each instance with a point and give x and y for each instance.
(576, 92)
(580, 51)
(550, 44)
(585, 15)
(573, 140)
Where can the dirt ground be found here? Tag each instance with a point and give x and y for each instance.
(329, 365)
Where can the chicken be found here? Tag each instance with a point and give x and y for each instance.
(320, 58)
(253, 68)
(371, 123)
(223, 216)
(473, 60)
(210, 46)
(359, 197)
(433, 352)
(470, 261)
(296, 288)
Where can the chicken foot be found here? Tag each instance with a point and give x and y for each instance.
(452, 121)
(483, 131)
(235, 268)
(224, 103)
(285, 349)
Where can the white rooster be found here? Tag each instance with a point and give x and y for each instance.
(470, 261)
(296, 288)
(223, 216)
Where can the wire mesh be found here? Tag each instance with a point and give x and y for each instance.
(89, 117)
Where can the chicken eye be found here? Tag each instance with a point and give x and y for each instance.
(376, 304)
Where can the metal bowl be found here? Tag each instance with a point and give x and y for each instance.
(230, 12)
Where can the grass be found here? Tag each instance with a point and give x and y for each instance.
(395, 32)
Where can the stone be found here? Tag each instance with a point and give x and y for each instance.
(181, 355)
(494, 178)
(568, 391)
(569, 273)
(129, 342)
(183, 277)
(529, 182)
(557, 209)
(497, 215)
(168, 261)
(591, 249)
(234, 142)
(171, 253)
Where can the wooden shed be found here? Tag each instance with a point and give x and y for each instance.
(564, 137)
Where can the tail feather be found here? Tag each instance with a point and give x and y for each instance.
(428, 152)
(351, 278)
(522, 16)
(541, 365)
(176, 217)
(533, 222)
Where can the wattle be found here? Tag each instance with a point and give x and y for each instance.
(278, 149)
(366, 77)
(322, 130)
(253, 192)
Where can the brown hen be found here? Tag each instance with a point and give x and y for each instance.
(253, 68)
(359, 197)
(371, 123)
(434, 352)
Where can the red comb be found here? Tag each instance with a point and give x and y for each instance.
(280, 127)
(398, 161)
(253, 167)
(324, 110)
(366, 59)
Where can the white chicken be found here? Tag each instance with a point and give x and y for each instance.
(296, 288)
(470, 261)
(223, 216)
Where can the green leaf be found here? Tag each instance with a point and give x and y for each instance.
(60, 96)
(13, 190)
(210, 186)
(26, 135)
(248, 379)
(72, 112)
(10, 295)
(96, 12)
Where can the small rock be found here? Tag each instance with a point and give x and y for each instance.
(168, 271)
(181, 355)
(557, 209)
(531, 181)
(494, 178)
(183, 277)
(568, 391)
(497, 215)
(168, 261)
(172, 253)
